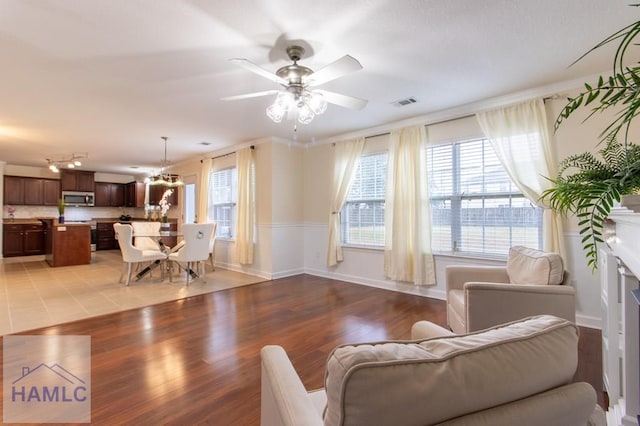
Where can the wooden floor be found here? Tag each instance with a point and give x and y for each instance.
(196, 360)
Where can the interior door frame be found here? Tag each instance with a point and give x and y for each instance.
(190, 180)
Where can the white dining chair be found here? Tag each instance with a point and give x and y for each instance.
(130, 253)
(143, 233)
(197, 237)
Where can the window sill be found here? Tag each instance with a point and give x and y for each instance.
(362, 247)
(225, 239)
(478, 257)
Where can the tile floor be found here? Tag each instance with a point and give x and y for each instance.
(34, 295)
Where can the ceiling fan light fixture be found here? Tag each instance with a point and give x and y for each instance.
(305, 106)
(297, 100)
(317, 103)
(305, 114)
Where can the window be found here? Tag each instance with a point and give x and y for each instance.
(362, 217)
(475, 208)
(223, 186)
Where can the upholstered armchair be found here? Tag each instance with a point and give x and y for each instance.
(515, 374)
(532, 283)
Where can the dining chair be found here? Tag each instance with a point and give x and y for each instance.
(130, 253)
(212, 247)
(143, 232)
(197, 237)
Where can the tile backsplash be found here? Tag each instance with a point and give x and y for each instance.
(73, 213)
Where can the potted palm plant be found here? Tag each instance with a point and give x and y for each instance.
(591, 192)
(593, 189)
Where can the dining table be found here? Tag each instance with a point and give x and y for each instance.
(157, 236)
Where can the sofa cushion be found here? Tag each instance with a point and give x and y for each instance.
(426, 382)
(530, 266)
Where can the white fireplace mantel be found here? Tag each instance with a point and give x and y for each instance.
(626, 241)
(620, 274)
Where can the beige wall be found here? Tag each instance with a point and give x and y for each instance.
(287, 184)
(264, 187)
(317, 175)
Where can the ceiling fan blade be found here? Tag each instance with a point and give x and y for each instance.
(343, 100)
(244, 63)
(250, 95)
(343, 66)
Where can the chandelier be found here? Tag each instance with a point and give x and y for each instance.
(69, 161)
(164, 178)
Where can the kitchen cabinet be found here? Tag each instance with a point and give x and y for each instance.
(22, 239)
(134, 194)
(109, 194)
(13, 190)
(155, 195)
(51, 192)
(77, 180)
(105, 236)
(31, 191)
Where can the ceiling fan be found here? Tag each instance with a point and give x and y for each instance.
(298, 100)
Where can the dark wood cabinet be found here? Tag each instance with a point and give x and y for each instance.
(105, 236)
(34, 239)
(156, 192)
(51, 191)
(134, 194)
(109, 194)
(77, 180)
(31, 191)
(12, 240)
(23, 239)
(13, 190)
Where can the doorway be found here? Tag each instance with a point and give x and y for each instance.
(189, 201)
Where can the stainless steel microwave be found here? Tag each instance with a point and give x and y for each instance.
(78, 199)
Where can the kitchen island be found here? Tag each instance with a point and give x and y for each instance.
(67, 244)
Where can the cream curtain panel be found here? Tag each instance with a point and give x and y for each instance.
(246, 206)
(345, 161)
(407, 250)
(203, 191)
(520, 137)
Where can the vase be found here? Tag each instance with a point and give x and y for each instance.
(60, 219)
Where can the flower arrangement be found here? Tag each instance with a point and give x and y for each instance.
(10, 210)
(164, 205)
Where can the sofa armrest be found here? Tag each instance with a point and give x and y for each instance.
(284, 399)
(490, 304)
(457, 275)
(423, 330)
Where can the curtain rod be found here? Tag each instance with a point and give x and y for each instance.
(227, 154)
(430, 124)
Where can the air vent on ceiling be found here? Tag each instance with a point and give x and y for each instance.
(405, 102)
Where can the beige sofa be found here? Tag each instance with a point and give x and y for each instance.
(516, 374)
(532, 283)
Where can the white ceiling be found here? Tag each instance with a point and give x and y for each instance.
(110, 77)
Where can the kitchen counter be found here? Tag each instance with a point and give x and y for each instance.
(31, 221)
